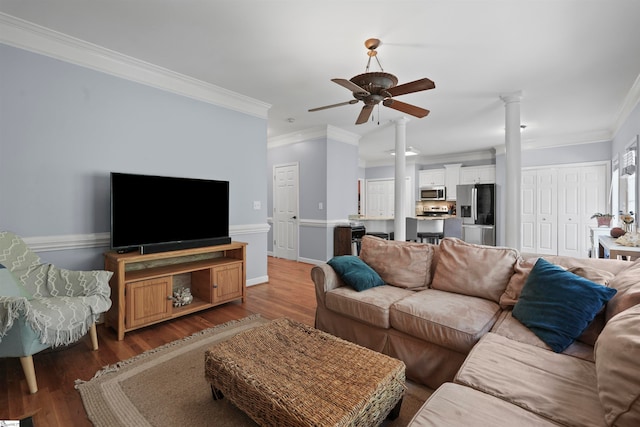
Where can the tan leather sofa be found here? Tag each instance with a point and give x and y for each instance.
(447, 311)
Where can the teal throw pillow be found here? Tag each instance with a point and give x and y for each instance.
(558, 305)
(355, 272)
(10, 286)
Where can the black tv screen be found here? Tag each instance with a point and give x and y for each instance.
(161, 213)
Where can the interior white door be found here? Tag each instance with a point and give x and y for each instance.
(380, 197)
(594, 199)
(546, 212)
(285, 215)
(569, 207)
(557, 204)
(528, 211)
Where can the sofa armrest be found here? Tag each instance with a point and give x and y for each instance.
(325, 279)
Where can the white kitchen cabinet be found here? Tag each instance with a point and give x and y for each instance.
(478, 174)
(452, 179)
(431, 177)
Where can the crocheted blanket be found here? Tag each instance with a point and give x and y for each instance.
(59, 304)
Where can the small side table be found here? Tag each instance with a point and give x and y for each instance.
(595, 233)
(608, 243)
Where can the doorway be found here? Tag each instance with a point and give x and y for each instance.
(285, 211)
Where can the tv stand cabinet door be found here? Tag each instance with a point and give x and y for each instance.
(148, 301)
(227, 282)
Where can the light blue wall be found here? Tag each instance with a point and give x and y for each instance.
(328, 174)
(65, 127)
(342, 180)
(578, 153)
(626, 134)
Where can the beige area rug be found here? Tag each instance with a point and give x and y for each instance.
(166, 387)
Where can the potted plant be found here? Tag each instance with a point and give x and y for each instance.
(604, 219)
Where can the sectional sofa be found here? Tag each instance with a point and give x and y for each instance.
(455, 313)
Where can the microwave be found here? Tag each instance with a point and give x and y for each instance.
(432, 193)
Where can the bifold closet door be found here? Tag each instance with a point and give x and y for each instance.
(557, 204)
(581, 193)
(539, 211)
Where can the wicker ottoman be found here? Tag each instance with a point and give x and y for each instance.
(288, 374)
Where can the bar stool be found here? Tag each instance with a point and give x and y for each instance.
(382, 235)
(430, 237)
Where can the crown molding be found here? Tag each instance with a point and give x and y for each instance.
(35, 38)
(561, 141)
(631, 101)
(328, 132)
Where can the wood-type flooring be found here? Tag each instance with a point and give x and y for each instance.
(289, 293)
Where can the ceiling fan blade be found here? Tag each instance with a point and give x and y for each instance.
(351, 86)
(405, 108)
(353, 101)
(364, 114)
(415, 86)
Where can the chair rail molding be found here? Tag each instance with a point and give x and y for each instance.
(101, 240)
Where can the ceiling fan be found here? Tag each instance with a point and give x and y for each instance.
(374, 87)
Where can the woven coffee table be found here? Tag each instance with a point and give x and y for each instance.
(285, 373)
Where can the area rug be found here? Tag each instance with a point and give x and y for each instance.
(166, 387)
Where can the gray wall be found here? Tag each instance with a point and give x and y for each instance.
(65, 127)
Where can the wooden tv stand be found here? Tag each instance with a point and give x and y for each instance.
(142, 285)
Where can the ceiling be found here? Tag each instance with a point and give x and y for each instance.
(576, 62)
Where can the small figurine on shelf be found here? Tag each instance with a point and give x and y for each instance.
(182, 297)
(627, 221)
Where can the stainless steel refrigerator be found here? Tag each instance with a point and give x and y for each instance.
(476, 206)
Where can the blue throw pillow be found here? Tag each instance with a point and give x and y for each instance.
(558, 305)
(355, 272)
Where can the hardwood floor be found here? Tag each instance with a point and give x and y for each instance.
(289, 293)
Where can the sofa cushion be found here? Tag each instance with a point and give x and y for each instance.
(523, 267)
(555, 386)
(617, 353)
(402, 264)
(521, 270)
(476, 270)
(627, 283)
(355, 272)
(453, 321)
(370, 306)
(454, 405)
(512, 328)
(558, 305)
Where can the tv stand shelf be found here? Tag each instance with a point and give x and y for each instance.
(142, 284)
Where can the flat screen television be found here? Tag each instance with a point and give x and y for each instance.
(162, 213)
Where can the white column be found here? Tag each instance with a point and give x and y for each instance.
(399, 221)
(513, 170)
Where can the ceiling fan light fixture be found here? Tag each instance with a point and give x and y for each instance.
(410, 151)
(375, 88)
